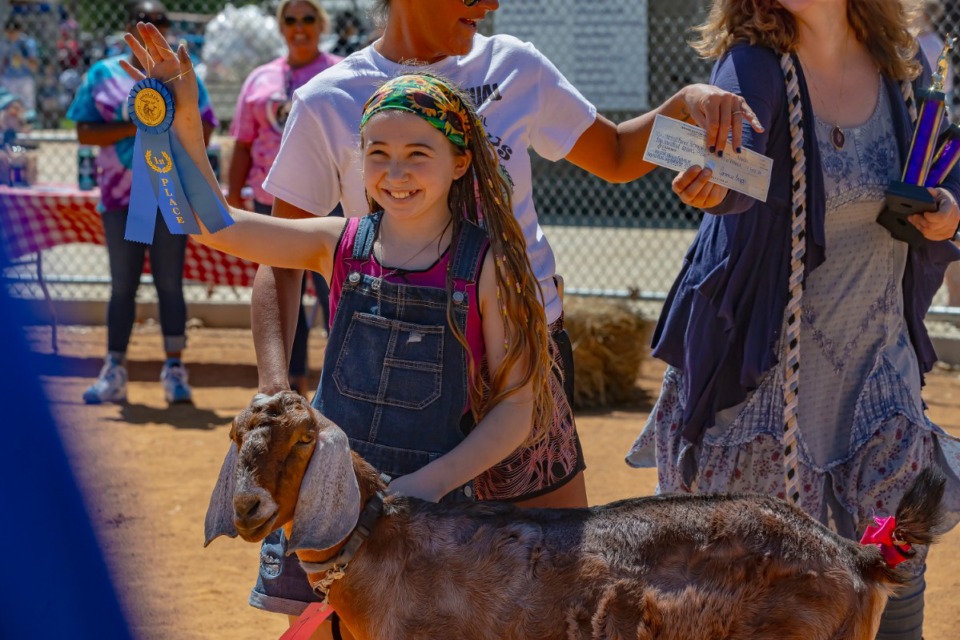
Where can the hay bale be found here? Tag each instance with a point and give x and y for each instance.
(609, 344)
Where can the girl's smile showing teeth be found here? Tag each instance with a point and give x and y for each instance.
(408, 168)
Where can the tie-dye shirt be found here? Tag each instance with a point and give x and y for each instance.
(262, 109)
(102, 97)
(15, 56)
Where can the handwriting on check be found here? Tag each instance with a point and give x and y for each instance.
(678, 145)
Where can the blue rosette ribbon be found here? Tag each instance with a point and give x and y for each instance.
(164, 176)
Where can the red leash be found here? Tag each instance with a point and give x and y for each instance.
(309, 621)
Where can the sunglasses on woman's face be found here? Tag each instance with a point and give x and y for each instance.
(158, 20)
(292, 21)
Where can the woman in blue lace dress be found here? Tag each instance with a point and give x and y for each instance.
(855, 433)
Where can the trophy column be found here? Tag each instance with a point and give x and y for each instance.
(909, 196)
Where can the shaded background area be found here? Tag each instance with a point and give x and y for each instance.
(625, 55)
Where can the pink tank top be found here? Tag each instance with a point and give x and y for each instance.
(434, 276)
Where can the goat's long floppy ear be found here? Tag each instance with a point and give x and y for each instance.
(329, 502)
(219, 520)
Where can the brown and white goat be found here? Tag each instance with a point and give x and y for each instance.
(670, 567)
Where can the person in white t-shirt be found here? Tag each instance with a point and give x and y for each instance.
(525, 102)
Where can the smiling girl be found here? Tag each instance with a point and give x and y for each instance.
(439, 361)
(524, 103)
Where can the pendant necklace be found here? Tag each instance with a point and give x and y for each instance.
(378, 284)
(837, 137)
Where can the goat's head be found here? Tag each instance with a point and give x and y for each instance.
(287, 463)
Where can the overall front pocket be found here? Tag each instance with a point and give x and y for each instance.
(410, 355)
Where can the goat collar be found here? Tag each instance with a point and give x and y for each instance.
(335, 568)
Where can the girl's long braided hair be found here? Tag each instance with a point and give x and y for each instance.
(483, 196)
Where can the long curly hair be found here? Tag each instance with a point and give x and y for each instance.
(380, 12)
(883, 26)
(483, 196)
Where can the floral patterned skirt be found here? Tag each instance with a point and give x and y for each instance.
(746, 456)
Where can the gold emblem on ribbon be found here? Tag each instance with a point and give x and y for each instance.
(158, 165)
(150, 107)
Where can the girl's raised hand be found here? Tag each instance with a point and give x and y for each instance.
(415, 485)
(175, 70)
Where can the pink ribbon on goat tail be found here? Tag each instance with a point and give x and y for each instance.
(882, 536)
(308, 622)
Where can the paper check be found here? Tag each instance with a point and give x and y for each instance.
(677, 145)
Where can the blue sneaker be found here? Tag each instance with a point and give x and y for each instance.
(111, 384)
(175, 387)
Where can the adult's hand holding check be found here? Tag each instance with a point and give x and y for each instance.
(718, 112)
(705, 178)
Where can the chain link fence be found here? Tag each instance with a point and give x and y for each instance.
(625, 55)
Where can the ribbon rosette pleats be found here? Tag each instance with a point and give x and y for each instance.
(164, 176)
(884, 536)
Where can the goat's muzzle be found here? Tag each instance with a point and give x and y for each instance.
(255, 513)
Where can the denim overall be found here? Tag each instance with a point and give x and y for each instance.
(394, 375)
(394, 379)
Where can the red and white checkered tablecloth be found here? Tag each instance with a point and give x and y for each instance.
(40, 217)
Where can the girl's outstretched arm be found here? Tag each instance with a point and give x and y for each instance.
(500, 432)
(279, 242)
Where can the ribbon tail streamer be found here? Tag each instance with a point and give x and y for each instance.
(142, 210)
(164, 175)
(203, 200)
(167, 178)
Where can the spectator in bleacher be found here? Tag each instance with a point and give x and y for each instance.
(69, 50)
(349, 30)
(48, 98)
(19, 63)
(796, 345)
(13, 118)
(100, 111)
(262, 109)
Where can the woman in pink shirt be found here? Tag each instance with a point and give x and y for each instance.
(261, 113)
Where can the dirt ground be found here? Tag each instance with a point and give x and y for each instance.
(148, 471)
